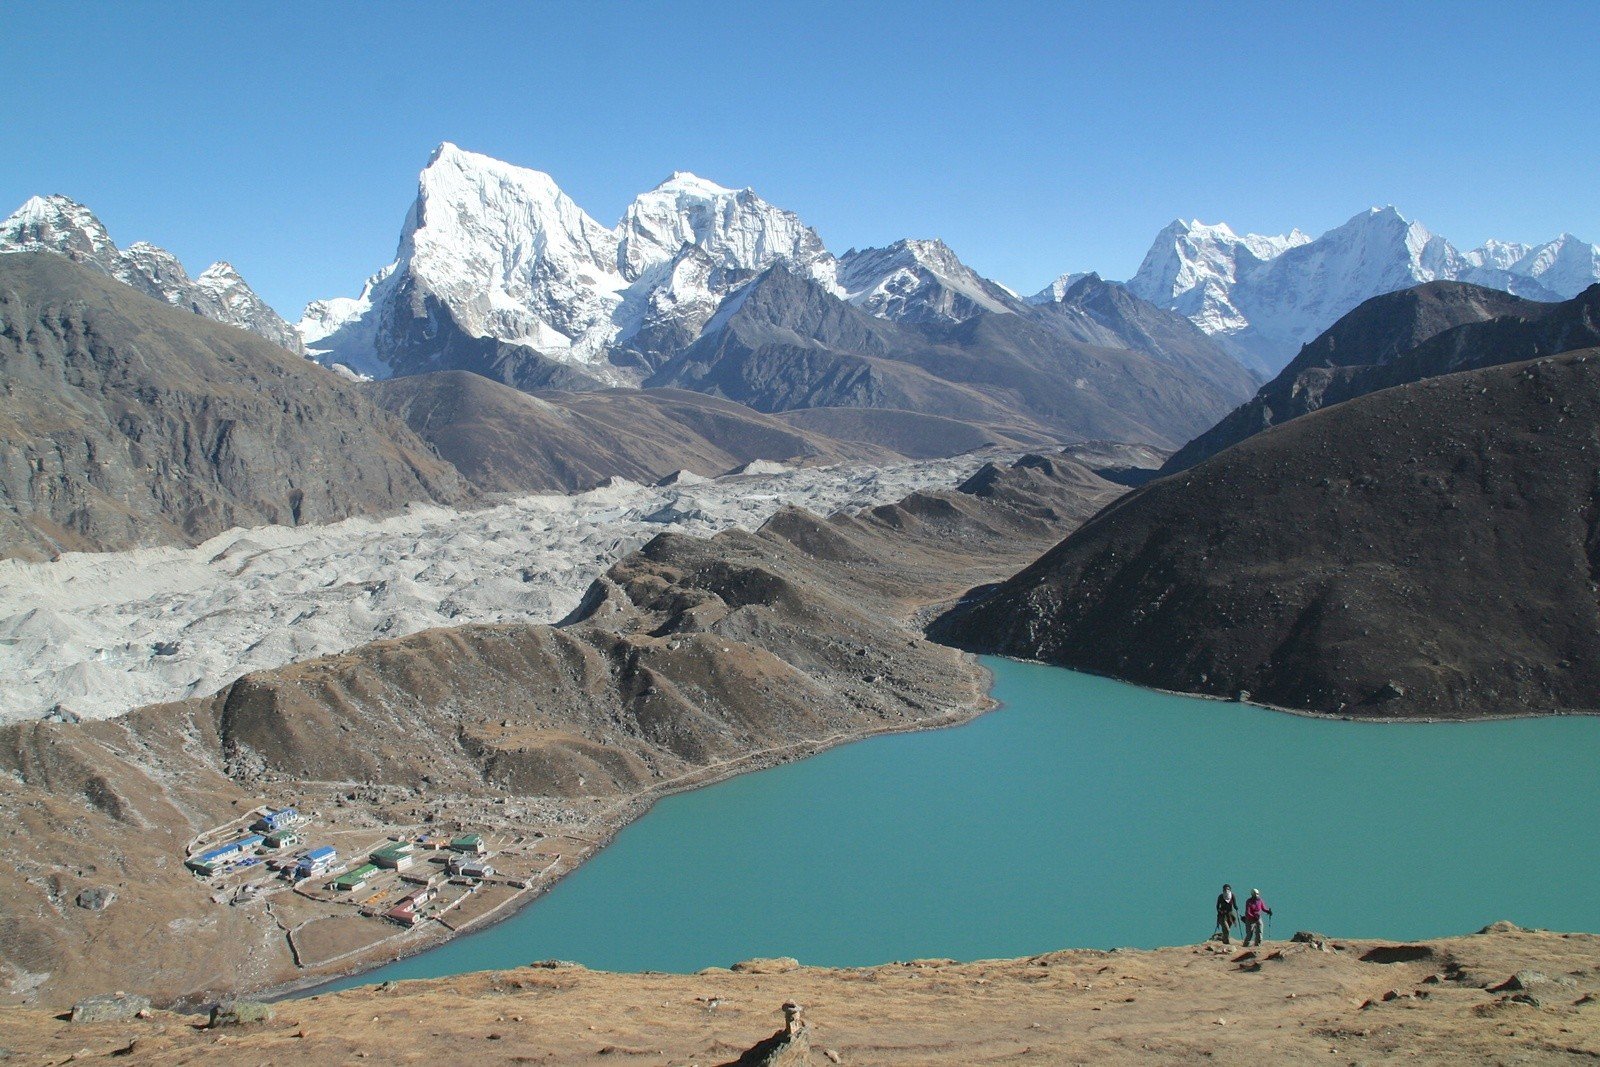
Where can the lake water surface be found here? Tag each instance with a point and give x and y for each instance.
(1084, 813)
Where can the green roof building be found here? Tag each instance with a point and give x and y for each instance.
(472, 843)
(353, 880)
(396, 857)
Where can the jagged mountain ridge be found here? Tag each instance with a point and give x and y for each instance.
(490, 250)
(493, 251)
(1266, 296)
(785, 342)
(61, 225)
(919, 281)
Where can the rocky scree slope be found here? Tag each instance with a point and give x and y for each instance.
(60, 225)
(126, 422)
(1431, 550)
(1096, 312)
(687, 659)
(1438, 328)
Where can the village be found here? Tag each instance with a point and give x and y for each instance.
(339, 892)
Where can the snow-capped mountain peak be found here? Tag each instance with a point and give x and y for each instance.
(65, 227)
(1187, 255)
(916, 280)
(1266, 296)
(506, 255)
(509, 254)
(1565, 266)
(1059, 288)
(736, 228)
(58, 223)
(1497, 255)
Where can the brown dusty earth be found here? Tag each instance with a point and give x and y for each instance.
(690, 660)
(1506, 996)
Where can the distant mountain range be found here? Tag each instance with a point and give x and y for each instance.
(1265, 297)
(713, 289)
(500, 273)
(501, 252)
(61, 225)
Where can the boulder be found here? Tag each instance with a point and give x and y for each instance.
(96, 898)
(109, 1007)
(1523, 981)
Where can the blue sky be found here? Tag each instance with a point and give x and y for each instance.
(1034, 138)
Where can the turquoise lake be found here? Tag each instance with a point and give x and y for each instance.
(1083, 813)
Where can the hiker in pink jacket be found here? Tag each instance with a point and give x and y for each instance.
(1254, 908)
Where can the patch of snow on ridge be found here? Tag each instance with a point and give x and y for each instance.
(99, 634)
(915, 280)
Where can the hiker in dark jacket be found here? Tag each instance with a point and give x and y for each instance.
(1254, 909)
(1227, 913)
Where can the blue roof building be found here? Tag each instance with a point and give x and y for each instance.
(316, 861)
(207, 862)
(281, 819)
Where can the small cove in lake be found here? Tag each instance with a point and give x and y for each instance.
(1084, 813)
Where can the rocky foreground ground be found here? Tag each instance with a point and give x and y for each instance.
(1503, 996)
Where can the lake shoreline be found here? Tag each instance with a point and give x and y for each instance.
(631, 809)
(624, 815)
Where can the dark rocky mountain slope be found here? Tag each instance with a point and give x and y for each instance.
(126, 422)
(784, 343)
(1427, 550)
(1098, 312)
(1403, 337)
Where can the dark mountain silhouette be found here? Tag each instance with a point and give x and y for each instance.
(1404, 337)
(1427, 550)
